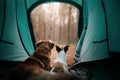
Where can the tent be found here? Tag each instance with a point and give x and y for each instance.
(99, 31)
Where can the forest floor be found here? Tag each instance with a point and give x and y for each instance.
(70, 54)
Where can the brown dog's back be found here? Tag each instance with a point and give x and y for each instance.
(35, 65)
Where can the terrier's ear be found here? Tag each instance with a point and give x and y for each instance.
(58, 48)
(66, 48)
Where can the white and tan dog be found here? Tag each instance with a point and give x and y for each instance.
(60, 63)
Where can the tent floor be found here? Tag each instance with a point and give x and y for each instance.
(108, 69)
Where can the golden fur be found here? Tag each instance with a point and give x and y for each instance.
(35, 64)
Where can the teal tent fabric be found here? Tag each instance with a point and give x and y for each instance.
(29, 3)
(1, 16)
(23, 26)
(15, 41)
(80, 41)
(15, 51)
(113, 22)
(94, 46)
(78, 1)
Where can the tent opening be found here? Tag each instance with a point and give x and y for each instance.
(57, 22)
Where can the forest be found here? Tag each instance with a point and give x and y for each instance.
(56, 21)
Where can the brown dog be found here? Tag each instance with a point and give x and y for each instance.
(35, 65)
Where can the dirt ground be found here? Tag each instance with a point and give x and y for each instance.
(70, 54)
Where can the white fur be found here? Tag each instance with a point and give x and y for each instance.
(61, 58)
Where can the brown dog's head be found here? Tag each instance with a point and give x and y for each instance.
(48, 44)
(43, 52)
(44, 46)
(43, 49)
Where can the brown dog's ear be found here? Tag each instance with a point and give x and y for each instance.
(51, 44)
(58, 48)
(38, 43)
(66, 48)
